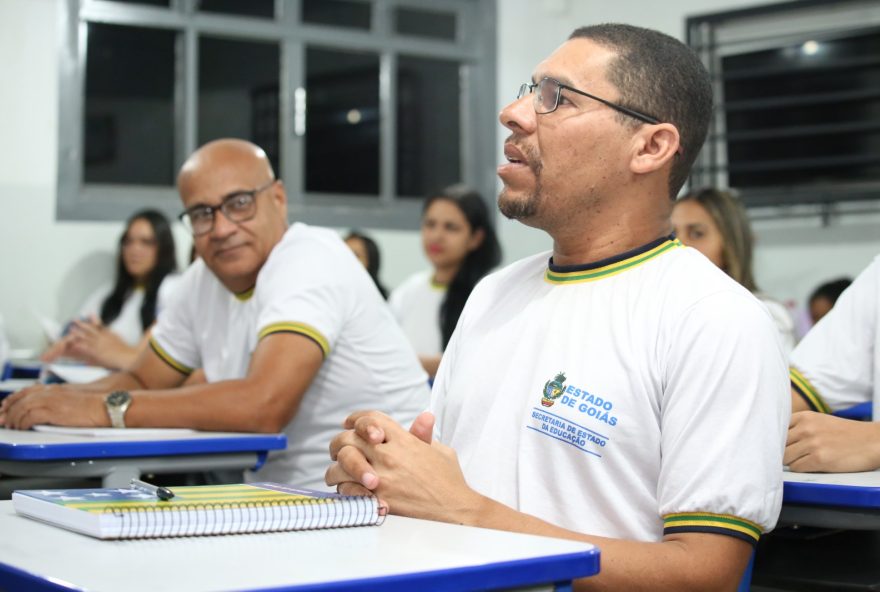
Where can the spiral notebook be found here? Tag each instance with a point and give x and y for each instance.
(195, 511)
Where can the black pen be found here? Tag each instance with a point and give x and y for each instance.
(163, 493)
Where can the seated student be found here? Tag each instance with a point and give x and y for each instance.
(287, 326)
(460, 242)
(621, 389)
(367, 252)
(114, 323)
(837, 365)
(825, 296)
(715, 223)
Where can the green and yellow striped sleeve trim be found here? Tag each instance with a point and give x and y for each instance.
(302, 329)
(807, 391)
(591, 275)
(166, 357)
(713, 523)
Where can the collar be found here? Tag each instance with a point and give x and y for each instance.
(590, 272)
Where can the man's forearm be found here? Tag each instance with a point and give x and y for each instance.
(693, 561)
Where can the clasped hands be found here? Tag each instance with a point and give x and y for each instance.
(411, 474)
(88, 341)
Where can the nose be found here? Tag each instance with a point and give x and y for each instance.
(519, 116)
(223, 226)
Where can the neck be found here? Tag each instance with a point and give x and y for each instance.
(445, 275)
(605, 235)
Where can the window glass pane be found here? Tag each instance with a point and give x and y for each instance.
(259, 8)
(129, 127)
(428, 125)
(424, 23)
(238, 93)
(341, 13)
(342, 122)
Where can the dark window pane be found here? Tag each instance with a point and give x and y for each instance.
(258, 8)
(146, 2)
(342, 122)
(424, 23)
(340, 13)
(804, 114)
(238, 93)
(129, 131)
(428, 125)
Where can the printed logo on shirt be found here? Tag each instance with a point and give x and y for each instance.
(567, 423)
(552, 390)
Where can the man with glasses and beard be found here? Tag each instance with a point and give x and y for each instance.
(288, 327)
(619, 390)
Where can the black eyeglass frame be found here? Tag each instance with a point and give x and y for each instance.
(186, 216)
(528, 88)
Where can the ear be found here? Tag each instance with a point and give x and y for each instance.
(654, 145)
(279, 196)
(476, 240)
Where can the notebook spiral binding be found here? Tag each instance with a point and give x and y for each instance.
(213, 518)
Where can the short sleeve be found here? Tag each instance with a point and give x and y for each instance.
(833, 366)
(303, 289)
(166, 291)
(173, 337)
(724, 415)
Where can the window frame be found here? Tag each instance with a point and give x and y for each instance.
(474, 49)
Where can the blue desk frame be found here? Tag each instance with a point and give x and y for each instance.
(118, 460)
(846, 500)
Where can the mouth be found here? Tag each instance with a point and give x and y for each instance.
(514, 155)
(435, 249)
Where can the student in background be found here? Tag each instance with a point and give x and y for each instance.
(835, 366)
(367, 252)
(459, 241)
(714, 222)
(824, 297)
(287, 326)
(114, 323)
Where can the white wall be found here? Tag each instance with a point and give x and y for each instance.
(51, 266)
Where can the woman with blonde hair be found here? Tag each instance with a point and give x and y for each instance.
(714, 222)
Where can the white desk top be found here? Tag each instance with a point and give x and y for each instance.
(866, 479)
(414, 554)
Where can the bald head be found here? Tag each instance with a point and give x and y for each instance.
(224, 153)
(242, 235)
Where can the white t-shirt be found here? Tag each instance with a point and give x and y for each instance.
(416, 306)
(313, 285)
(641, 395)
(837, 364)
(783, 320)
(128, 323)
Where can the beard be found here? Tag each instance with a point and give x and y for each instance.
(523, 209)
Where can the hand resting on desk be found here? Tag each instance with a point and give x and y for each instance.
(818, 442)
(56, 404)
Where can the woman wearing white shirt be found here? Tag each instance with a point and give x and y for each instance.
(460, 242)
(115, 320)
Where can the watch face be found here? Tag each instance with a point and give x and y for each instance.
(118, 398)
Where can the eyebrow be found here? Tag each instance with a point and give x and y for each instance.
(560, 79)
(202, 204)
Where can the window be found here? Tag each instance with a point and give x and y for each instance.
(797, 92)
(363, 106)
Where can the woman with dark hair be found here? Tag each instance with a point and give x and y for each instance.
(367, 252)
(116, 319)
(459, 241)
(715, 223)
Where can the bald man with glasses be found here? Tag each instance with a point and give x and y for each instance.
(620, 389)
(289, 329)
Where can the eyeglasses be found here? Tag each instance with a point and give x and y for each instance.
(547, 99)
(237, 207)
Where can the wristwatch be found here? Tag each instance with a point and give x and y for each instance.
(117, 404)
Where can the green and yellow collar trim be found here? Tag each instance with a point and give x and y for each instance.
(246, 295)
(577, 274)
(713, 523)
(807, 391)
(166, 357)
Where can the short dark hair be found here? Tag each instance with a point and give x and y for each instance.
(831, 290)
(659, 75)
